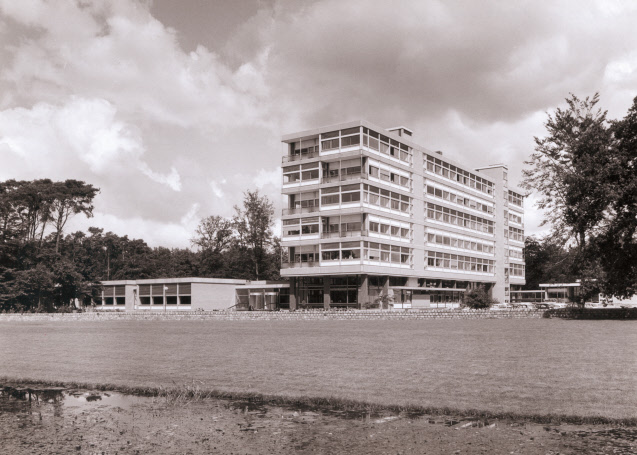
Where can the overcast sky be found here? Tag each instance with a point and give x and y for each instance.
(174, 108)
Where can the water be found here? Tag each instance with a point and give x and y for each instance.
(23, 398)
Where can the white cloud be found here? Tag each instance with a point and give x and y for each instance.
(216, 188)
(49, 137)
(273, 177)
(172, 180)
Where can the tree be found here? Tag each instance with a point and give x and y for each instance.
(69, 198)
(477, 299)
(584, 171)
(214, 236)
(214, 233)
(616, 246)
(548, 261)
(253, 223)
(569, 167)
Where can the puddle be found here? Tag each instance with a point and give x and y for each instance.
(15, 398)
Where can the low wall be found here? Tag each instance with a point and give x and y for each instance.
(278, 315)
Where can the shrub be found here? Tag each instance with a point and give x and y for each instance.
(477, 299)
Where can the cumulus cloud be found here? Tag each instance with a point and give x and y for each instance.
(105, 92)
(84, 130)
(272, 177)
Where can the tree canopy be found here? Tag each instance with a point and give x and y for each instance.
(584, 171)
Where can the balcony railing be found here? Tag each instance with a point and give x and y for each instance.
(301, 210)
(343, 178)
(303, 156)
(335, 235)
(295, 265)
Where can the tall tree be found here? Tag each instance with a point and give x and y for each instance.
(253, 223)
(585, 172)
(69, 198)
(616, 245)
(568, 167)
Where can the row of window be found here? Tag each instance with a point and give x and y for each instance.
(298, 226)
(515, 234)
(386, 199)
(387, 146)
(457, 218)
(170, 300)
(301, 172)
(297, 149)
(516, 269)
(454, 242)
(386, 229)
(456, 174)
(388, 176)
(110, 291)
(304, 200)
(344, 194)
(457, 262)
(371, 251)
(513, 198)
(457, 199)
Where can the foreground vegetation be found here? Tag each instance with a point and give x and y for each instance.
(572, 371)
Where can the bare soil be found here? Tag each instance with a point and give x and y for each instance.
(37, 419)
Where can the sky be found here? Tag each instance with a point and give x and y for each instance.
(174, 108)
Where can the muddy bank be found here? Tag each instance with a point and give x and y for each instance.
(39, 419)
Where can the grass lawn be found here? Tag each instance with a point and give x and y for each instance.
(525, 366)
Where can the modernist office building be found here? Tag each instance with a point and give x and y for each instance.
(369, 212)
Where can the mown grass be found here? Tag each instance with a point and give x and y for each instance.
(538, 370)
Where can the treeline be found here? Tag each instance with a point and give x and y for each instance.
(42, 269)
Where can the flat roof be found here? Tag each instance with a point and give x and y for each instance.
(560, 285)
(173, 281)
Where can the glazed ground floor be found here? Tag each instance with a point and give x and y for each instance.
(369, 291)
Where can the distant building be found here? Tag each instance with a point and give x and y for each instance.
(370, 212)
(191, 294)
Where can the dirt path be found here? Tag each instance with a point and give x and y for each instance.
(53, 420)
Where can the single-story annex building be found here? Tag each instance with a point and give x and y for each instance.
(192, 294)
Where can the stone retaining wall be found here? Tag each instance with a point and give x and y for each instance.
(278, 315)
(320, 315)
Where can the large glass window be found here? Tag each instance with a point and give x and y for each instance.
(386, 199)
(459, 242)
(455, 217)
(450, 261)
(451, 172)
(456, 198)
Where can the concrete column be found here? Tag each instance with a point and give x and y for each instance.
(385, 289)
(326, 292)
(293, 293)
(363, 291)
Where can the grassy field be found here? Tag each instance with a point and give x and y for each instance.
(526, 366)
